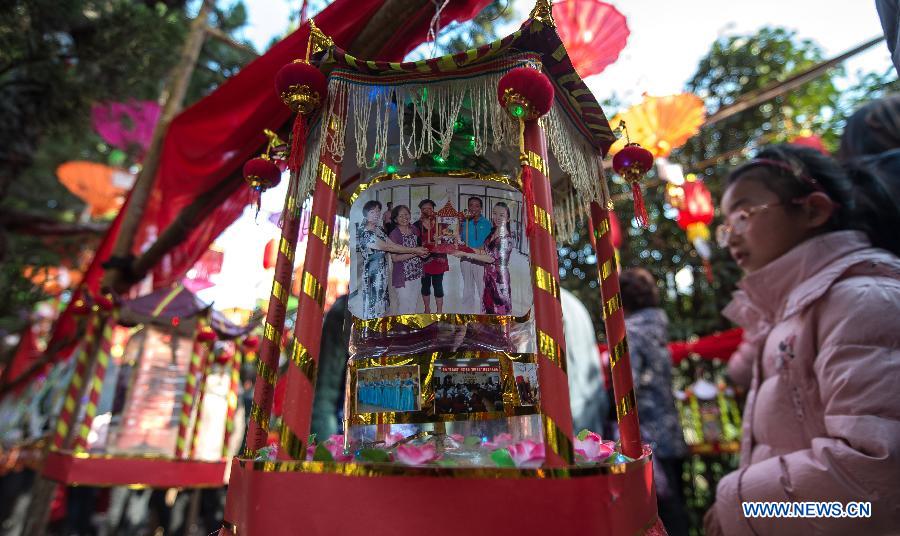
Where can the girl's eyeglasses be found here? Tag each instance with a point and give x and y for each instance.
(737, 222)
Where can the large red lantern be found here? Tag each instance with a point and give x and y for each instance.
(593, 32)
(270, 254)
(632, 163)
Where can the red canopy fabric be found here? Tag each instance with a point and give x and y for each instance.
(26, 355)
(211, 140)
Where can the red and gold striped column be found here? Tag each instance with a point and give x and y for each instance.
(614, 321)
(555, 409)
(201, 385)
(270, 348)
(198, 353)
(304, 351)
(95, 386)
(68, 413)
(234, 390)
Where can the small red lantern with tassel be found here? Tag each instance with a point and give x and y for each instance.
(632, 162)
(207, 334)
(527, 94)
(302, 88)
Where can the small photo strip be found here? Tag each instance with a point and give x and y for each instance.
(526, 378)
(467, 386)
(387, 389)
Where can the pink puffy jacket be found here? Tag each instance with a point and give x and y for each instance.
(822, 420)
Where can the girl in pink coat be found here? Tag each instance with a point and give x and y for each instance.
(820, 306)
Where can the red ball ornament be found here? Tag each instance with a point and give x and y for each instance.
(250, 343)
(526, 93)
(632, 163)
(206, 334)
(262, 173)
(301, 86)
(225, 356)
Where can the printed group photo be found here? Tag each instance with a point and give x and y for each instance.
(387, 389)
(439, 245)
(467, 386)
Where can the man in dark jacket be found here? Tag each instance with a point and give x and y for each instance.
(328, 402)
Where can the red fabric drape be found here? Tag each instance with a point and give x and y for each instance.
(716, 346)
(210, 141)
(26, 355)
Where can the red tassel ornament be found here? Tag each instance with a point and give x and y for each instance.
(302, 88)
(632, 163)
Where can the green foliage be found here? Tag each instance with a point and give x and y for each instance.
(502, 458)
(374, 455)
(322, 454)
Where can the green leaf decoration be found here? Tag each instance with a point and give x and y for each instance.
(374, 455)
(502, 458)
(322, 454)
(583, 434)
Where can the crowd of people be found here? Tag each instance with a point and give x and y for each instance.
(417, 266)
(469, 396)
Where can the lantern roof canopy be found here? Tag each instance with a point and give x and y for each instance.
(442, 117)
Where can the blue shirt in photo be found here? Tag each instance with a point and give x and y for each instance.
(477, 231)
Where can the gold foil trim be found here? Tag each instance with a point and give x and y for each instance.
(230, 527)
(291, 444)
(601, 229)
(279, 292)
(617, 352)
(543, 12)
(303, 361)
(548, 347)
(545, 281)
(422, 320)
(606, 270)
(536, 161)
(259, 416)
(543, 219)
(320, 229)
(557, 440)
(513, 182)
(392, 469)
(625, 406)
(312, 288)
(287, 249)
(612, 305)
(270, 333)
(328, 176)
(267, 373)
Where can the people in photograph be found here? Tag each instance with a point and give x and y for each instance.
(407, 275)
(496, 297)
(387, 218)
(408, 393)
(373, 245)
(435, 265)
(474, 233)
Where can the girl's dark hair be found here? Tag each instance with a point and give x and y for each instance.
(877, 188)
(862, 202)
(872, 129)
(638, 289)
(396, 212)
(508, 217)
(370, 205)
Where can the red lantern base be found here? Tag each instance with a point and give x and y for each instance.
(333, 498)
(151, 472)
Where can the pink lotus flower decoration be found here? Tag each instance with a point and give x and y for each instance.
(593, 448)
(310, 451)
(459, 438)
(499, 441)
(335, 445)
(410, 454)
(392, 438)
(527, 453)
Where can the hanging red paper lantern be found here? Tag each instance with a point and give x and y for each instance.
(526, 93)
(250, 343)
(206, 334)
(225, 354)
(632, 163)
(696, 210)
(261, 173)
(302, 88)
(593, 32)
